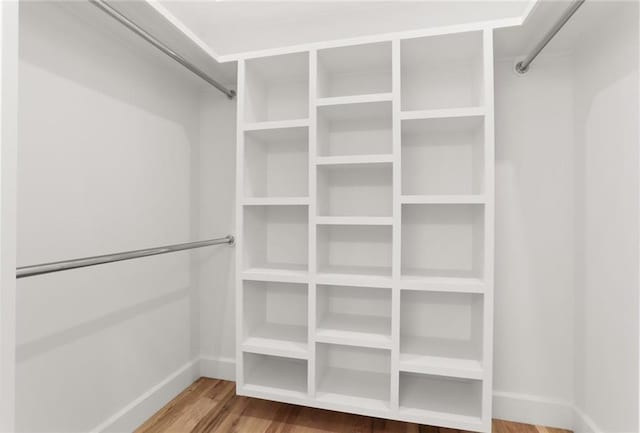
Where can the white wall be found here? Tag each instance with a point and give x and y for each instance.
(533, 346)
(606, 122)
(108, 130)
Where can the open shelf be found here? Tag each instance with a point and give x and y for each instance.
(354, 70)
(359, 316)
(443, 156)
(441, 397)
(275, 318)
(353, 376)
(442, 71)
(442, 240)
(441, 333)
(276, 239)
(277, 88)
(275, 374)
(355, 190)
(357, 252)
(266, 153)
(355, 129)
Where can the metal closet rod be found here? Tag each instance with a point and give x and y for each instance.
(64, 265)
(102, 5)
(523, 66)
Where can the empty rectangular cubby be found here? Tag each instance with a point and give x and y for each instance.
(275, 317)
(276, 374)
(441, 333)
(443, 156)
(277, 88)
(355, 129)
(353, 376)
(360, 315)
(267, 153)
(442, 71)
(442, 240)
(354, 250)
(441, 397)
(276, 238)
(354, 70)
(355, 190)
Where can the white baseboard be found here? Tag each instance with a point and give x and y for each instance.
(508, 406)
(533, 409)
(218, 368)
(143, 407)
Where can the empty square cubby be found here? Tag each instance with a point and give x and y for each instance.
(354, 70)
(355, 129)
(277, 163)
(358, 314)
(276, 238)
(353, 376)
(355, 190)
(277, 88)
(443, 156)
(441, 396)
(442, 71)
(354, 250)
(275, 316)
(276, 374)
(442, 240)
(441, 330)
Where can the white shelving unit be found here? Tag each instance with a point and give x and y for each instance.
(365, 228)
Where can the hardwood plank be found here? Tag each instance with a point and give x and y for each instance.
(212, 406)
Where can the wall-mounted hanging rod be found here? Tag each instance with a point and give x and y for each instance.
(523, 66)
(47, 268)
(102, 5)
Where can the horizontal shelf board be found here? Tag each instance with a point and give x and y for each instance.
(365, 110)
(354, 276)
(442, 284)
(278, 135)
(355, 330)
(354, 99)
(444, 199)
(276, 201)
(440, 419)
(278, 340)
(365, 221)
(264, 391)
(276, 274)
(355, 388)
(354, 159)
(443, 113)
(275, 124)
(441, 366)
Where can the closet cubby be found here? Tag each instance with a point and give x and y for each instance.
(442, 241)
(355, 129)
(353, 376)
(356, 251)
(439, 397)
(275, 318)
(354, 70)
(276, 239)
(443, 156)
(275, 374)
(441, 333)
(441, 72)
(276, 88)
(267, 152)
(358, 315)
(355, 190)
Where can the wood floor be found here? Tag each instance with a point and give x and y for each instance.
(212, 406)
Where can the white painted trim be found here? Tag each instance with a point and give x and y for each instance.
(143, 407)
(218, 368)
(533, 409)
(583, 424)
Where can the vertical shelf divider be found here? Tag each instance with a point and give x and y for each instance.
(397, 223)
(313, 212)
(240, 119)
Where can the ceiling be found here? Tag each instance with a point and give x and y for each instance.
(232, 27)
